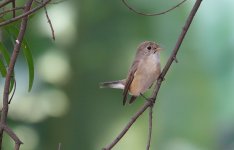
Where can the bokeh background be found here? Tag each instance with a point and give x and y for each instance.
(96, 41)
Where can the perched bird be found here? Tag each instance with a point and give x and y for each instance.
(144, 71)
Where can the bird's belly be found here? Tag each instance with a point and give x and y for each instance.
(147, 72)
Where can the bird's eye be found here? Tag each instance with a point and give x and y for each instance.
(149, 47)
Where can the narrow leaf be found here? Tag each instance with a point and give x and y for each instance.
(27, 54)
(2, 69)
(5, 53)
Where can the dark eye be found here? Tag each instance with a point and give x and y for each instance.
(149, 47)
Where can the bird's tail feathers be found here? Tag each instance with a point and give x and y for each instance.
(113, 84)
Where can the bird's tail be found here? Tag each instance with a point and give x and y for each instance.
(113, 84)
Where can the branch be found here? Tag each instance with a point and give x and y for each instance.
(10, 10)
(150, 126)
(24, 14)
(3, 124)
(49, 21)
(13, 6)
(153, 14)
(127, 127)
(160, 79)
(54, 2)
(5, 3)
(13, 136)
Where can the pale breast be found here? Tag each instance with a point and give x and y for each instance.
(147, 72)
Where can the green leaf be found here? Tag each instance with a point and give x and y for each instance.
(5, 53)
(29, 59)
(2, 69)
(27, 53)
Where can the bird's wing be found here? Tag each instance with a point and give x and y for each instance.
(129, 80)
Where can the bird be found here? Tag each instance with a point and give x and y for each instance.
(144, 71)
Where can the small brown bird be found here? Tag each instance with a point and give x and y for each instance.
(144, 71)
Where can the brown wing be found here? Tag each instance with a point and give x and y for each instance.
(129, 81)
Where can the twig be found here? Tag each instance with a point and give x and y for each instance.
(5, 3)
(10, 10)
(49, 21)
(147, 104)
(13, 136)
(153, 14)
(150, 126)
(24, 14)
(3, 124)
(54, 2)
(59, 146)
(13, 6)
(127, 127)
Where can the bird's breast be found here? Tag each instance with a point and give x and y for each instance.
(147, 72)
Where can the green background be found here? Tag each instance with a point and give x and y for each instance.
(96, 41)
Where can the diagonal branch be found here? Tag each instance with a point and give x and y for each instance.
(5, 3)
(159, 82)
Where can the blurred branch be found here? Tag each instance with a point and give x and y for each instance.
(13, 6)
(10, 10)
(24, 14)
(5, 3)
(54, 2)
(59, 146)
(153, 14)
(161, 78)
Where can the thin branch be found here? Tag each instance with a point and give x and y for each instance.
(54, 2)
(24, 14)
(127, 127)
(10, 10)
(147, 104)
(49, 21)
(5, 3)
(10, 70)
(59, 146)
(153, 14)
(13, 6)
(18, 142)
(150, 126)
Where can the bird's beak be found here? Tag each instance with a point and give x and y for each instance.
(159, 49)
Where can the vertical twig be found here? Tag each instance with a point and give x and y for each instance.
(59, 146)
(49, 21)
(150, 126)
(13, 7)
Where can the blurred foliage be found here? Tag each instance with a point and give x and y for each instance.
(96, 41)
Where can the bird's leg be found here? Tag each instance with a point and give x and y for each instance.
(151, 100)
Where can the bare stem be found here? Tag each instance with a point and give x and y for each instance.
(150, 126)
(49, 21)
